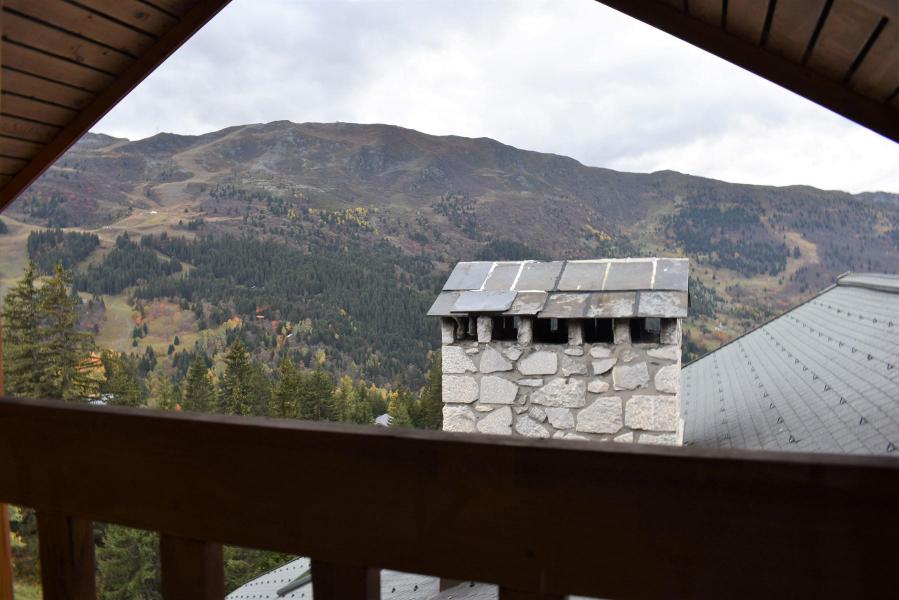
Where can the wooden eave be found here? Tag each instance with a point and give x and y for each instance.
(841, 54)
(66, 63)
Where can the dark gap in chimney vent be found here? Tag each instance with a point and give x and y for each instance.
(551, 331)
(464, 329)
(646, 330)
(505, 329)
(598, 331)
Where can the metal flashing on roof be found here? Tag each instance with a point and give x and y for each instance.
(474, 302)
(662, 304)
(443, 305)
(562, 305)
(873, 281)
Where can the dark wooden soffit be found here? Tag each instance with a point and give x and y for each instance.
(66, 63)
(841, 54)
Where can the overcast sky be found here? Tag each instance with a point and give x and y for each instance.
(566, 76)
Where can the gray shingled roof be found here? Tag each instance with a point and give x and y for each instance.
(602, 288)
(819, 378)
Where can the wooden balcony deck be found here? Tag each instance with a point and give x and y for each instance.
(541, 519)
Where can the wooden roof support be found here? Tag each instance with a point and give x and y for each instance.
(137, 71)
(794, 76)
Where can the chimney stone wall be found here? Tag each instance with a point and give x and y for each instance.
(625, 391)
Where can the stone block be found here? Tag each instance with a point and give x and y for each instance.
(574, 436)
(575, 332)
(559, 392)
(598, 386)
(471, 351)
(601, 351)
(539, 363)
(560, 418)
(628, 355)
(621, 330)
(455, 361)
(574, 351)
(461, 389)
(485, 330)
(496, 390)
(458, 418)
(483, 408)
(573, 366)
(630, 377)
(667, 379)
(447, 330)
(492, 361)
(526, 426)
(525, 331)
(669, 352)
(654, 413)
(520, 409)
(537, 413)
(624, 438)
(602, 416)
(512, 353)
(499, 422)
(670, 332)
(530, 382)
(659, 439)
(603, 365)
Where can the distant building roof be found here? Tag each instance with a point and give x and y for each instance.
(603, 288)
(822, 377)
(384, 420)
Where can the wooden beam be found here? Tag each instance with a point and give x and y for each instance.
(137, 71)
(6, 581)
(829, 93)
(510, 594)
(342, 582)
(66, 547)
(600, 520)
(191, 569)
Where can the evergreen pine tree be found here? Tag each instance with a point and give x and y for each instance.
(21, 342)
(122, 386)
(164, 394)
(128, 563)
(64, 350)
(234, 387)
(286, 394)
(315, 398)
(199, 391)
(398, 409)
(431, 400)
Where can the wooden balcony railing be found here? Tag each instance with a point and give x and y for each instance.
(540, 519)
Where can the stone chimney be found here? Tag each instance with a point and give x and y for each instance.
(585, 350)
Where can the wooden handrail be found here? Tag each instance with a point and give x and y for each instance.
(545, 518)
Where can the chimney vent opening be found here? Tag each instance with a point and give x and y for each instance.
(646, 330)
(598, 331)
(505, 329)
(551, 331)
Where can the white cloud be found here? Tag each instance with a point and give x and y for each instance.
(571, 77)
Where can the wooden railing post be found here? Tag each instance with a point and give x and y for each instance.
(6, 589)
(191, 569)
(342, 582)
(67, 557)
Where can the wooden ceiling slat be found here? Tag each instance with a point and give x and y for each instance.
(145, 17)
(845, 32)
(18, 148)
(39, 111)
(29, 130)
(50, 67)
(11, 166)
(878, 74)
(35, 87)
(175, 7)
(4, 179)
(61, 43)
(90, 25)
(707, 10)
(746, 18)
(792, 27)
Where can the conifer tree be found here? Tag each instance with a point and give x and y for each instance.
(122, 386)
(63, 349)
(128, 563)
(234, 387)
(431, 401)
(199, 391)
(287, 390)
(315, 398)
(164, 394)
(21, 341)
(398, 409)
